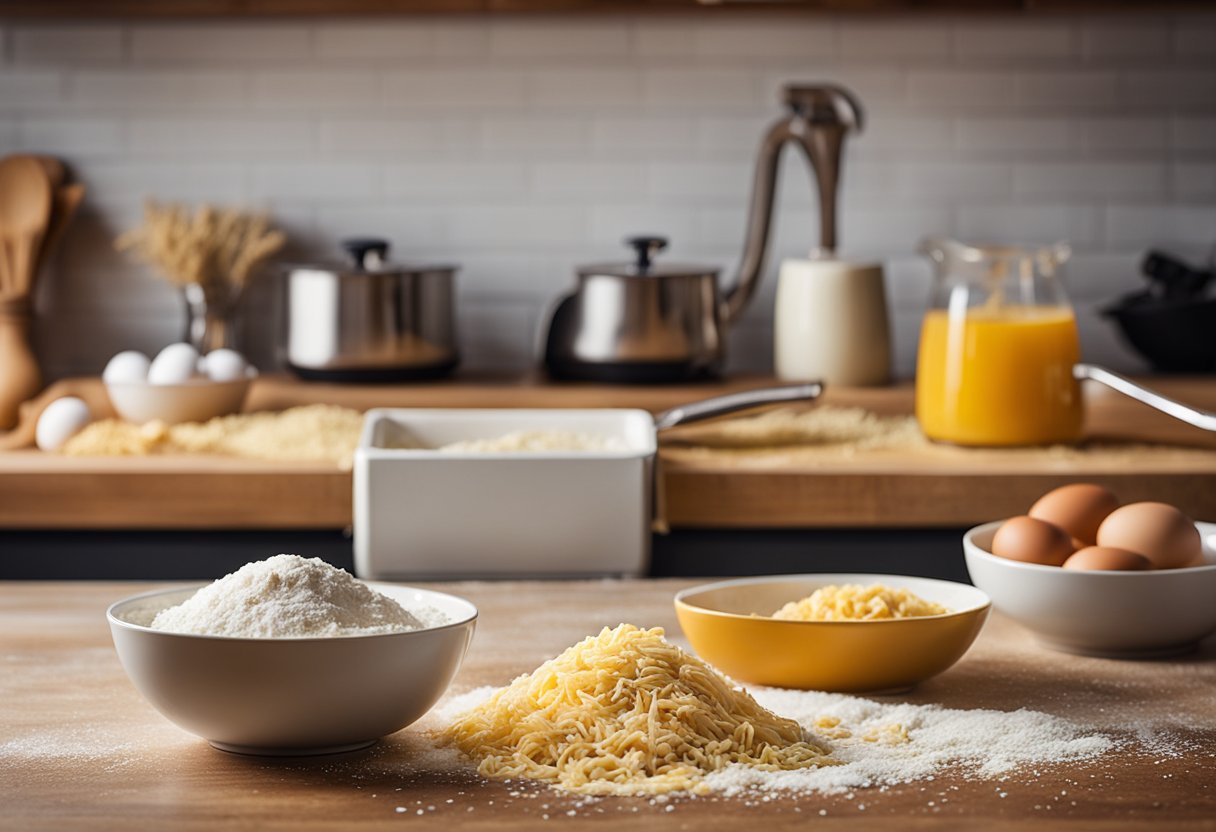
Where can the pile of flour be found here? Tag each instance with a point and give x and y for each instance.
(288, 596)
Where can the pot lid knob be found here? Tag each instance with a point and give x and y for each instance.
(646, 248)
(369, 253)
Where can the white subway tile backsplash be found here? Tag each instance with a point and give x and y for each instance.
(204, 137)
(30, 88)
(613, 134)
(318, 182)
(132, 181)
(324, 90)
(1021, 41)
(1090, 179)
(896, 40)
(1072, 88)
(590, 88)
(1196, 40)
(869, 231)
(1150, 89)
(72, 137)
(1028, 135)
(67, 45)
(1094, 278)
(452, 88)
(1193, 133)
(701, 180)
(874, 85)
(559, 39)
(455, 180)
(687, 88)
(1105, 40)
(808, 37)
(1161, 224)
(380, 42)
(1037, 223)
(522, 147)
(1148, 133)
(1194, 180)
(139, 90)
(612, 222)
(589, 180)
(953, 88)
(516, 227)
(220, 44)
(397, 137)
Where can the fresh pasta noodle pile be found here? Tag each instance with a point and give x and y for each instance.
(626, 713)
(853, 602)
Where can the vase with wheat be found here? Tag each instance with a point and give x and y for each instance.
(209, 254)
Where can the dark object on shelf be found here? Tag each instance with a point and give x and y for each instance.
(1173, 322)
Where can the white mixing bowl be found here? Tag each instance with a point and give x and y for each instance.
(1117, 614)
(191, 401)
(292, 696)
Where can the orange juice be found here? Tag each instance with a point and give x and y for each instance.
(999, 376)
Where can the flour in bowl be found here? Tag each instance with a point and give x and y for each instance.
(538, 441)
(288, 596)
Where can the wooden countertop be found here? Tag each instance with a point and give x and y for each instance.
(80, 750)
(939, 487)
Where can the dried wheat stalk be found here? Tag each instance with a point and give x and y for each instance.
(211, 247)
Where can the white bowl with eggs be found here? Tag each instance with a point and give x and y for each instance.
(299, 696)
(178, 385)
(1120, 614)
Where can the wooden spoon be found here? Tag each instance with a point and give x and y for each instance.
(66, 200)
(55, 171)
(25, 212)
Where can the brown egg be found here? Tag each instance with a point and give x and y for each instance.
(1032, 541)
(1160, 532)
(1106, 558)
(1077, 509)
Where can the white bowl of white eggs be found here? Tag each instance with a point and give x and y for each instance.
(178, 385)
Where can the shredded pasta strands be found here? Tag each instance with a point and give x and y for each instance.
(853, 602)
(627, 713)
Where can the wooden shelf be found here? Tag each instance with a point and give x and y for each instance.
(168, 9)
(934, 487)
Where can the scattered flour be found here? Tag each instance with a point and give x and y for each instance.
(888, 744)
(288, 596)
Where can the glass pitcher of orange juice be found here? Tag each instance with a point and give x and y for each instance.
(997, 348)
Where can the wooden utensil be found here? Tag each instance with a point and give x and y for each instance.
(67, 199)
(25, 211)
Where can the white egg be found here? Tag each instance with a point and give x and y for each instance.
(127, 367)
(60, 421)
(175, 364)
(225, 365)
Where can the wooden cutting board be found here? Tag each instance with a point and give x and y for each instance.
(80, 750)
(1140, 453)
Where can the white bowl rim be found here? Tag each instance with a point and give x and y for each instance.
(115, 621)
(973, 549)
(834, 577)
(191, 384)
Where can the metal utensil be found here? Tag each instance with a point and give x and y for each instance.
(1202, 419)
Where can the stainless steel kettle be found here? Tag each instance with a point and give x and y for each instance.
(638, 322)
(648, 322)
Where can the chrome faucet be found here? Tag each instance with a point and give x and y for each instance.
(819, 119)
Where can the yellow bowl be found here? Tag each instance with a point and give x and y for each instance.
(728, 624)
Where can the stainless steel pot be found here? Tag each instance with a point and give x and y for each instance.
(638, 322)
(370, 321)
